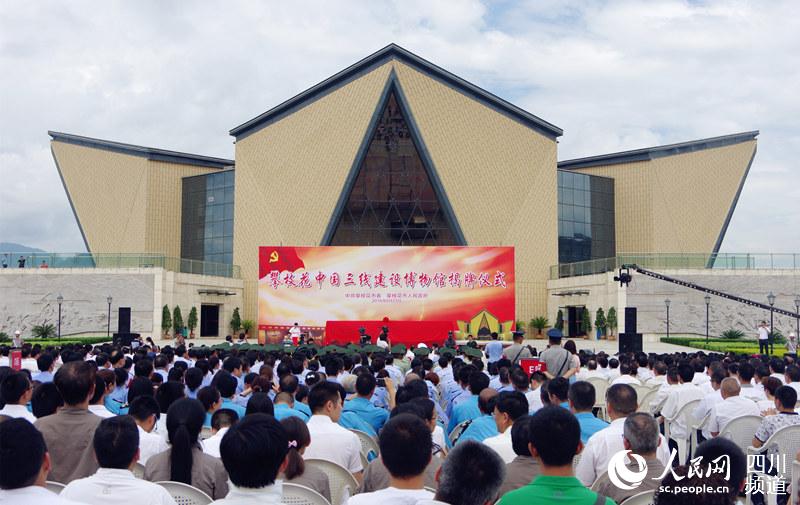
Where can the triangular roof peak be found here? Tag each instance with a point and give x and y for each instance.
(378, 58)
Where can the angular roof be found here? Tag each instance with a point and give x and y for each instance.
(649, 153)
(393, 51)
(150, 153)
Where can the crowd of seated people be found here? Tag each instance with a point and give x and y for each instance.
(237, 423)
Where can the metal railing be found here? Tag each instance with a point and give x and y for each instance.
(121, 260)
(722, 261)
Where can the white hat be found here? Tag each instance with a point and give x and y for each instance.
(17, 332)
(422, 344)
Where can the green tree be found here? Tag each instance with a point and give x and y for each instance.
(600, 321)
(166, 321)
(177, 320)
(586, 323)
(611, 320)
(236, 321)
(248, 325)
(560, 320)
(191, 321)
(539, 324)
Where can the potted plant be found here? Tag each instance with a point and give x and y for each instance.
(166, 322)
(191, 321)
(586, 323)
(236, 321)
(611, 321)
(600, 323)
(247, 325)
(560, 320)
(538, 324)
(45, 330)
(177, 321)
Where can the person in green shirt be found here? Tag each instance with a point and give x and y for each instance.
(555, 438)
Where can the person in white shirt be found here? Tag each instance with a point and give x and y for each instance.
(16, 391)
(590, 371)
(627, 375)
(700, 377)
(732, 405)
(508, 407)
(145, 412)
(16, 342)
(28, 361)
(23, 482)
(659, 377)
(613, 369)
(777, 369)
(462, 481)
(746, 373)
(116, 447)
(221, 421)
(792, 376)
(406, 445)
(643, 373)
(771, 385)
(763, 338)
(329, 440)
(97, 403)
(659, 399)
(621, 402)
(254, 453)
(707, 403)
(677, 398)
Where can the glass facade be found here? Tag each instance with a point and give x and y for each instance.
(585, 217)
(393, 201)
(207, 217)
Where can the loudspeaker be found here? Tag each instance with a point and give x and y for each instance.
(124, 339)
(630, 319)
(630, 342)
(124, 320)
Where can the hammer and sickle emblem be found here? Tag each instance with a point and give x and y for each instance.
(273, 257)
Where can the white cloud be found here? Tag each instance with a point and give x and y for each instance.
(614, 75)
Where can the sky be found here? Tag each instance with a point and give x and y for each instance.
(615, 75)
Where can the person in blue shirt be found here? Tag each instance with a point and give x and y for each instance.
(209, 397)
(558, 390)
(284, 407)
(494, 349)
(457, 395)
(193, 378)
(361, 406)
(483, 426)
(45, 362)
(291, 384)
(581, 401)
(226, 385)
(468, 409)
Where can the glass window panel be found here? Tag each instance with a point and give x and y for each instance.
(569, 212)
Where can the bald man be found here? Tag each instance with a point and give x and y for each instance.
(732, 405)
(482, 427)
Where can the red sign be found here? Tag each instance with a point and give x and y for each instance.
(16, 360)
(531, 365)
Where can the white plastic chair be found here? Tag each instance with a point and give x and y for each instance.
(343, 484)
(459, 430)
(295, 494)
(684, 415)
(645, 399)
(785, 442)
(600, 386)
(184, 494)
(138, 470)
(741, 430)
(54, 486)
(644, 498)
(795, 482)
(368, 444)
(693, 432)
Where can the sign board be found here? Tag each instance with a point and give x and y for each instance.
(471, 286)
(16, 360)
(531, 365)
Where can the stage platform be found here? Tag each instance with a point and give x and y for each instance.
(400, 332)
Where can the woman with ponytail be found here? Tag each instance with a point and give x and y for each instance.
(185, 460)
(296, 471)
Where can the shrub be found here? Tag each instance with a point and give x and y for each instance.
(4, 337)
(586, 323)
(732, 333)
(236, 321)
(248, 325)
(600, 321)
(191, 321)
(177, 320)
(611, 320)
(560, 320)
(166, 320)
(44, 330)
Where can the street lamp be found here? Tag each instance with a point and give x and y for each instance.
(707, 298)
(667, 302)
(60, 300)
(771, 300)
(108, 330)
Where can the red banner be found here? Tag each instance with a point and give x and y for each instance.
(531, 365)
(471, 286)
(16, 360)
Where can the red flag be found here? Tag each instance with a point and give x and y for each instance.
(278, 258)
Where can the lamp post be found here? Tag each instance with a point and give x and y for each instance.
(797, 311)
(108, 330)
(707, 298)
(771, 300)
(666, 303)
(60, 300)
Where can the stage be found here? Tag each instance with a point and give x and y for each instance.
(400, 332)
